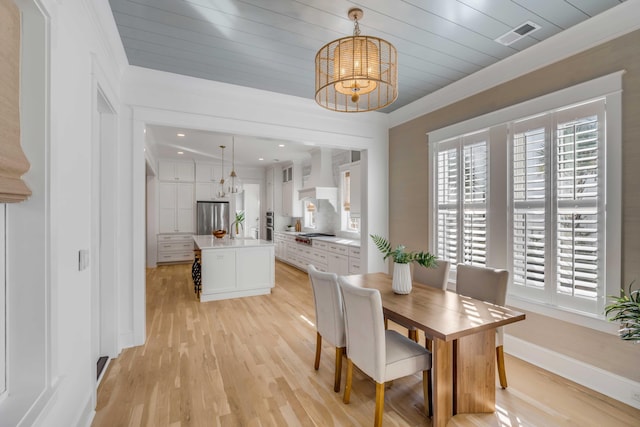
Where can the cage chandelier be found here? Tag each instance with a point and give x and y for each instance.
(356, 73)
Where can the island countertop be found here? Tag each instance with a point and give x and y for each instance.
(211, 242)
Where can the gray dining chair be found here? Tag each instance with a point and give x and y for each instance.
(329, 317)
(490, 285)
(384, 355)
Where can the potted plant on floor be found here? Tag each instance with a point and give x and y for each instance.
(626, 310)
(402, 260)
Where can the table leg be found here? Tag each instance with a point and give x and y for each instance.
(442, 373)
(476, 373)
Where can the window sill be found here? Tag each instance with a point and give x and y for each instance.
(598, 323)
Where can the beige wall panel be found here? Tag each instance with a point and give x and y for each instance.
(408, 175)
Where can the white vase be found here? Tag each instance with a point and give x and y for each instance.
(401, 278)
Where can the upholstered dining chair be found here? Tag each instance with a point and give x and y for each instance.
(490, 285)
(329, 317)
(436, 277)
(384, 355)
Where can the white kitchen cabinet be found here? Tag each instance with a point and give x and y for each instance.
(175, 171)
(270, 189)
(218, 271)
(355, 190)
(354, 261)
(235, 268)
(206, 191)
(175, 248)
(206, 172)
(291, 205)
(280, 242)
(338, 264)
(255, 268)
(175, 207)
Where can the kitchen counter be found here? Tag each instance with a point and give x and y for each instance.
(211, 242)
(331, 239)
(234, 268)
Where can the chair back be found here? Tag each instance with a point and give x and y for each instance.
(328, 302)
(364, 323)
(483, 283)
(436, 277)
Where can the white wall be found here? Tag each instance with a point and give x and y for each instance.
(50, 372)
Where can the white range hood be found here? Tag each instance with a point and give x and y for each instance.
(320, 185)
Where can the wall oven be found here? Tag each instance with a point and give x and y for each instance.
(269, 226)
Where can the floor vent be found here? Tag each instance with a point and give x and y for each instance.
(518, 33)
(102, 361)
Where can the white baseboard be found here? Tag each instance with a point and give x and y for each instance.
(125, 340)
(85, 418)
(42, 405)
(607, 383)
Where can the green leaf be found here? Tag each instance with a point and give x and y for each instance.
(400, 255)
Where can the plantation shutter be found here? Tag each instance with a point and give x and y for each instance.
(529, 192)
(447, 226)
(462, 183)
(474, 204)
(579, 158)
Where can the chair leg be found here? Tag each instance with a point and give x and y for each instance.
(316, 365)
(426, 391)
(413, 334)
(347, 384)
(386, 323)
(377, 421)
(502, 373)
(428, 343)
(336, 383)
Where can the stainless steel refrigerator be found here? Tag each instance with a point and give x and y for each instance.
(212, 216)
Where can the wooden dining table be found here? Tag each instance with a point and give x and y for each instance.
(463, 334)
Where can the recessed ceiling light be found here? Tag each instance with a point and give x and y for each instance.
(181, 135)
(180, 152)
(145, 130)
(261, 158)
(280, 145)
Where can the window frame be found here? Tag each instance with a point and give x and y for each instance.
(608, 87)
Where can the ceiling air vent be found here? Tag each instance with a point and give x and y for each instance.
(518, 33)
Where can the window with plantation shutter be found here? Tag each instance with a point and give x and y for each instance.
(580, 205)
(555, 172)
(529, 194)
(537, 191)
(462, 173)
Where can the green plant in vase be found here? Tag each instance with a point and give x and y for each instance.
(626, 310)
(239, 221)
(402, 260)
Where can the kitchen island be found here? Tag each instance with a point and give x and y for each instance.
(233, 268)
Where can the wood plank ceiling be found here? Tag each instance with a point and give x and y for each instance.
(271, 44)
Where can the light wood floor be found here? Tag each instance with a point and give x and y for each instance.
(249, 362)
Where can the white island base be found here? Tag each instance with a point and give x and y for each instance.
(234, 268)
